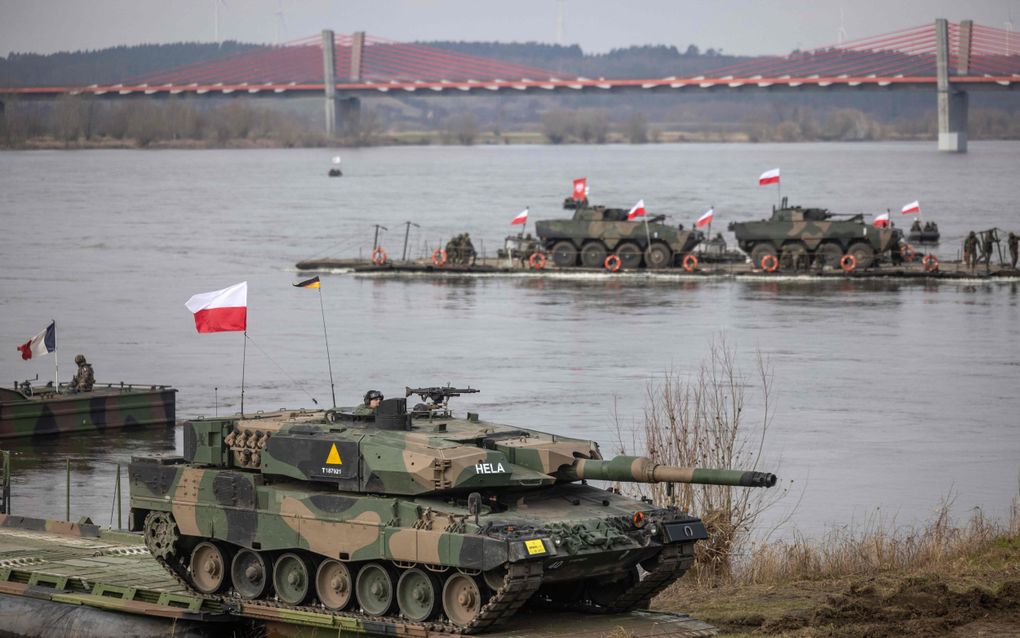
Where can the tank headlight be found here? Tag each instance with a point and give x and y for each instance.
(556, 541)
(653, 530)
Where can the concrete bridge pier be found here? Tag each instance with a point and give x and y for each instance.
(952, 102)
(342, 114)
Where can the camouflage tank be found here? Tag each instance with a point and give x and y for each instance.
(596, 232)
(411, 516)
(799, 236)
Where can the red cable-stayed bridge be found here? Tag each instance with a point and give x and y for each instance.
(951, 58)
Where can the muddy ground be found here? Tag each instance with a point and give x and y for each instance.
(975, 596)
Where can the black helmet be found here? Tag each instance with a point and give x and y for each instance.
(80, 359)
(372, 394)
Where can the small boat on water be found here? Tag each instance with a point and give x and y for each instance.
(28, 411)
(926, 234)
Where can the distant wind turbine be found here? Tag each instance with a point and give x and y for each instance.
(559, 22)
(841, 31)
(216, 19)
(1009, 32)
(281, 22)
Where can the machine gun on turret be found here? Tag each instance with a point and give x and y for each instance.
(436, 398)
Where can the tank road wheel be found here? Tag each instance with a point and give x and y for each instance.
(658, 255)
(564, 254)
(375, 589)
(208, 568)
(829, 254)
(759, 252)
(161, 534)
(291, 579)
(334, 585)
(418, 595)
(593, 254)
(629, 254)
(462, 599)
(863, 253)
(606, 594)
(250, 574)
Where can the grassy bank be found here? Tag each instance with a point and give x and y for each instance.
(938, 580)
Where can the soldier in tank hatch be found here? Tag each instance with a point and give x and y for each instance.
(970, 250)
(372, 400)
(85, 378)
(1014, 246)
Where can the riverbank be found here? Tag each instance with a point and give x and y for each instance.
(937, 581)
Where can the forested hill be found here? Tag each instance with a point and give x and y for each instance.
(107, 66)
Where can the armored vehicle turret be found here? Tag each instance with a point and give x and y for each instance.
(796, 236)
(596, 232)
(411, 515)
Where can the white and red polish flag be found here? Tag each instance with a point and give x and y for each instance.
(882, 221)
(580, 188)
(769, 177)
(221, 310)
(522, 217)
(705, 219)
(912, 208)
(637, 211)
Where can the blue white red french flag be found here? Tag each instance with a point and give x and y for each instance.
(43, 343)
(223, 310)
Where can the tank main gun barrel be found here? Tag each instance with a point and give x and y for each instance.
(639, 469)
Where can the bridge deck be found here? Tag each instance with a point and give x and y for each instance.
(81, 564)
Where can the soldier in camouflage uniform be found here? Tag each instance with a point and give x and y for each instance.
(372, 400)
(970, 250)
(85, 379)
(986, 249)
(1014, 244)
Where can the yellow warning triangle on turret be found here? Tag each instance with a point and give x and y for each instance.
(334, 457)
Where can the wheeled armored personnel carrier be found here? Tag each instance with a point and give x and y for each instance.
(796, 236)
(596, 232)
(411, 515)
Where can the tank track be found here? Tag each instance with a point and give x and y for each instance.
(672, 563)
(521, 581)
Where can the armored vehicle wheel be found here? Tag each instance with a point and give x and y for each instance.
(334, 585)
(761, 251)
(863, 253)
(629, 254)
(250, 574)
(606, 594)
(291, 579)
(593, 254)
(794, 256)
(161, 534)
(462, 599)
(375, 589)
(564, 254)
(658, 256)
(418, 594)
(829, 254)
(208, 568)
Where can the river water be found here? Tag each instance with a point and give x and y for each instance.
(888, 396)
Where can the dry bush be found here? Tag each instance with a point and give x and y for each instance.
(700, 422)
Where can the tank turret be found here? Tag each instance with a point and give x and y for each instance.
(412, 514)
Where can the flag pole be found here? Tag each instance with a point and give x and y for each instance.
(244, 357)
(56, 364)
(325, 336)
(779, 189)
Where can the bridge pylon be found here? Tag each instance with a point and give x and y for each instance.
(952, 102)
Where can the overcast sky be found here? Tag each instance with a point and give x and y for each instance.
(736, 26)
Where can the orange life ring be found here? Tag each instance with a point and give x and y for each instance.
(439, 257)
(848, 263)
(378, 256)
(907, 252)
(537, 260)
(690, 263)
(769, 263)
(638, 519)
(931, 263)
(612, 263)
